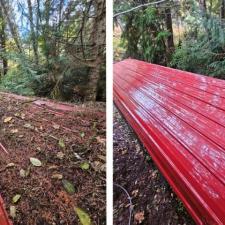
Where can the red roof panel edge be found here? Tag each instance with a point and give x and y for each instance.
(198, 204)
(4, 220)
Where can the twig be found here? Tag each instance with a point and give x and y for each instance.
(129, 198)
(139, 6)
(4, 149)
(28, 101)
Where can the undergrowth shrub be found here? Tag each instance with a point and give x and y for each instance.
(69, 84)
(203, 48)
(16, 81)
(61, 79)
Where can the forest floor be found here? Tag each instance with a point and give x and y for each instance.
(52, 162)
(154, 202)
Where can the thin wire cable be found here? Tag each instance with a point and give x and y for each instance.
(139, 6)
(129, 198)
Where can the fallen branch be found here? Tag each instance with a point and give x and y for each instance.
(4, 149)
(139, 6)
(28, 101)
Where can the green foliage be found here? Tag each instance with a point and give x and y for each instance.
(17, 82)
(145, 36)
(50, 53)
(59, 80)
(119, 48)
(201, 47)
(20, 75)
(203, 52)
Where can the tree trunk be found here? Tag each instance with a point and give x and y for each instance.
(3, 43)
(203, 7)
(33, 36)
(59, 25)
(3, 46)
(222, 10)
(98, 43)
(47, 5)
(38, 16)
(169, 27)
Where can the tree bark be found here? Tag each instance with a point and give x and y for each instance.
(59, 24)
(98, 43)
(169, 27)
(46, 29)
(3, 43)
(202, 4)
(222, 10)
(33, 36)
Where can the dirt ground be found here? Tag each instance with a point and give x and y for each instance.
(154, 202)
(71, 149)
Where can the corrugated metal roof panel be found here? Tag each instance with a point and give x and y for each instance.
(3, 216)
(180, 117)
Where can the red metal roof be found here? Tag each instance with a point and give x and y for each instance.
(3, 216)
(180, 118)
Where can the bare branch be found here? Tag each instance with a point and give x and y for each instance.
(139, 6)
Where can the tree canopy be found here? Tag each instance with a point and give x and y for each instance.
(53, 48)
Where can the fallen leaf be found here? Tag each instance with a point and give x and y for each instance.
(10, 165)
(60, 155)
(12, 211)
(94, 125)
(135, 193)
(83, 216)
(13, 131)
(57, 176)
(68, 186)
(124, 152)
(77, 156)
(82, 134)
(28, 125)
(154, 174)
(84, 166)
(16, 198)
(53, 167)
(24, 173)
(139, 217)
(103, 167)
(61, 143)
(101, 140)
(55, 126)
(22, 116)
(7, 119)
(35, 161)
